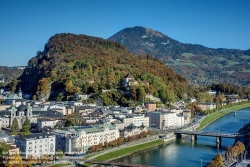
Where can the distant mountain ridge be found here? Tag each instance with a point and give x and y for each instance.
(199, 64)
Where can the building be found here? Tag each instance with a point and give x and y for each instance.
(128, 81)
(1, 80)
(78, 139)
(10, 100)
(151, 106)
(132, 130)
(165, 120)
(13, 149)
(136, 120)
(36, 145)
(206, 105)
(21, 113)
(45, 123)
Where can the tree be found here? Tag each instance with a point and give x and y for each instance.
(84, 88)
(4, 149)
(119, 141)
(31, 160)
(241, 147)
(219, 100)
(59, 154)
(140, 93)
(60, 97)
(68, 123)
(26, 127)
(15, 161)
(12, 85)
(15, 127)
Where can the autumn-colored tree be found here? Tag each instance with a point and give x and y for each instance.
(119, 141)
(219, 100)
(241, 147)
(15, 161)
(106, 144)
(43, 85)
(31, 160)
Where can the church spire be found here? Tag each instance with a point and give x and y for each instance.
(20, 94)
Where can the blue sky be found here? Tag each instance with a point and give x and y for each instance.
(26, 25)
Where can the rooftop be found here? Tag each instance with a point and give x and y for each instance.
(33, 136)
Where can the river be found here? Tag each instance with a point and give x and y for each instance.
(184, 152)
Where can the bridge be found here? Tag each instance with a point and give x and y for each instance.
(121, 164)
(218, 136)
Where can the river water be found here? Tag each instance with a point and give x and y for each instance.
(186, 153)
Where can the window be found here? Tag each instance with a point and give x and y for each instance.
(51, 140)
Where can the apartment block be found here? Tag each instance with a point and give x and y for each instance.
(36, 145)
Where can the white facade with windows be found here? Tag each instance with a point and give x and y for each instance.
(36, 145)
(137, 120)
(79, 139)
(165, 120)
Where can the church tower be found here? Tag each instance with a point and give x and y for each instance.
(20, 94)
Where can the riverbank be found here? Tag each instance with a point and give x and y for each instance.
(216, 115)
(112, 154)
(124, 150)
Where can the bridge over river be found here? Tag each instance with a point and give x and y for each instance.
(121, 164)
(218, 136)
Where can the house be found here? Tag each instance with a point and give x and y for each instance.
(128, 81)
(1, 80)
(36, 145)
(13, 149)
(206, 105)
(42, 122)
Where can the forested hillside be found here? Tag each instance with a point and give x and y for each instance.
(73, 63)
(9, 73)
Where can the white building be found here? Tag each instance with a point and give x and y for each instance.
(45, 122)
(36, 145)
(163, 120)
(137, 120)
(79, 139)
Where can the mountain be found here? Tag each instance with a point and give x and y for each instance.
(197, 63)
(72, 63)
(9, 73)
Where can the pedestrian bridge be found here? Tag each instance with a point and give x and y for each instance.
(194, 135)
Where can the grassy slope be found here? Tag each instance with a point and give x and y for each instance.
(210, 118)
(126, 151)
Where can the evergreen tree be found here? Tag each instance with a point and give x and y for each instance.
(141, 94)
(15, 127)
(26, 127)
